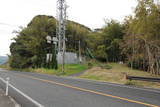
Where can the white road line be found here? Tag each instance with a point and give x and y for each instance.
(23, 94)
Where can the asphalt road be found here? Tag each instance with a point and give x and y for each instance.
(53, 91)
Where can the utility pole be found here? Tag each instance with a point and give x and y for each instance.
(80, 58)
(61, 27)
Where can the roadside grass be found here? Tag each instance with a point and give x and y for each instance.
(116, 74)
(69, 69)
(109, 72)
(73, 68)
(5, 66)
(122, 68)
(95, 63)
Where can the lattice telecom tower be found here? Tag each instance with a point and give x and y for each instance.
(60, 31)
(61, 23)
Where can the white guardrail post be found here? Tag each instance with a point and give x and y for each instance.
(7, 84)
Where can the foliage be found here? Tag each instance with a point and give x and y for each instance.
(113, 34)
(76, 32)
(30, 47)
(105, 44)
(142, 40)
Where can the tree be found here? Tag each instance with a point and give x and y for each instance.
(105, 43)
(30, 47)
(113, 34)
(143, 37)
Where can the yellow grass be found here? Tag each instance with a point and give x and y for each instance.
(117, 75)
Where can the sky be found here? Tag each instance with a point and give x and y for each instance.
(91, 13)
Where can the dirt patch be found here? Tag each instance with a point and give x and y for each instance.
(104, 74)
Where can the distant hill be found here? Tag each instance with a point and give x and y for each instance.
(3, 59)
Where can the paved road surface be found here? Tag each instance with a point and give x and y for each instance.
(53, 91)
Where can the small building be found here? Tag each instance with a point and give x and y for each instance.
(70, 58)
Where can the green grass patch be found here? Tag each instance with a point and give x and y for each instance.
(74, 68)
(69, 69)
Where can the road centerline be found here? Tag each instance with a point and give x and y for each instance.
(88, 90)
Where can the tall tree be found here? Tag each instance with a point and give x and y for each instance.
(143, 37)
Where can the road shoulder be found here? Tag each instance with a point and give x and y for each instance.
(7, 101)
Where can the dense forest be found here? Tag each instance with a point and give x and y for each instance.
(136, 41)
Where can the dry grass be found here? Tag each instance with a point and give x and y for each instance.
(117, 75)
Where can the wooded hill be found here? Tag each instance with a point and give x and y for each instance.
(30, 46)
(136, 41)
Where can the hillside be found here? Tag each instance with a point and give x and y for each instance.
(3, 59)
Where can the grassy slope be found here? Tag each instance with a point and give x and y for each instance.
(117, 75)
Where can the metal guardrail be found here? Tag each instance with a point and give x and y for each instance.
(143, 78)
